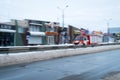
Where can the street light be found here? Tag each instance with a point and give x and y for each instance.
(108, 23)
(63, 9)
(63, 37)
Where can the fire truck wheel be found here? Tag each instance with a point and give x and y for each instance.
(84, 45)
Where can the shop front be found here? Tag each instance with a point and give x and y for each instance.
(36, 38)
(7, 33)
(51, 37)
(6, 39)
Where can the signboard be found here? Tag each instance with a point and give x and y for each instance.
(97, 32)
(51, 33)
(4, 26)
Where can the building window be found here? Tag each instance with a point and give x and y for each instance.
(37, 22)
(20, 30)
(51, 40)
(50, 29)
(35, 28)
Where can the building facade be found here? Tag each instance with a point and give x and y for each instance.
(51, 32)
(35, 32)
(40, 32)
(11, 34)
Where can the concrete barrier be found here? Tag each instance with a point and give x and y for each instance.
(28, 57)
(18, 49)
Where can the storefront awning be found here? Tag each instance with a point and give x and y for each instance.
(37, 33)
(7, 30)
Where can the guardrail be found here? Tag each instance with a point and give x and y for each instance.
(17, 49)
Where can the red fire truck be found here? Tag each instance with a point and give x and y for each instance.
(88, 40)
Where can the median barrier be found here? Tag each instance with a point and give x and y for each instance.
(18, 49)
(31, 56)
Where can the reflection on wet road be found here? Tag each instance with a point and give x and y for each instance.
(80, 67)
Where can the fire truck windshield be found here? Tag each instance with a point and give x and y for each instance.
(79, 38)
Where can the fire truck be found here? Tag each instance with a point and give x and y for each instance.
(88, 40)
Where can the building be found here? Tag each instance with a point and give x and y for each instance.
(114, 33)
(106, 37)
(12, 34)
(37, 32)
(52, 32)
(28, 32)
(114, 30)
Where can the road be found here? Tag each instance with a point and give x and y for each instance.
(81, 67)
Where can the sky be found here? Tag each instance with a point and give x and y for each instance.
(88, 14)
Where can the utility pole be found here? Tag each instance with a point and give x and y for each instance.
(108, 29)
(62, 9)
(16, 33)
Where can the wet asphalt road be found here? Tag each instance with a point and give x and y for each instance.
(80, 67)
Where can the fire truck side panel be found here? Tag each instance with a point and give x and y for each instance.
(95, 39)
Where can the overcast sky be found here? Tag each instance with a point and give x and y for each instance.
(88, 14)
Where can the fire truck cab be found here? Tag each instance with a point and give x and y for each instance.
(81, 40)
